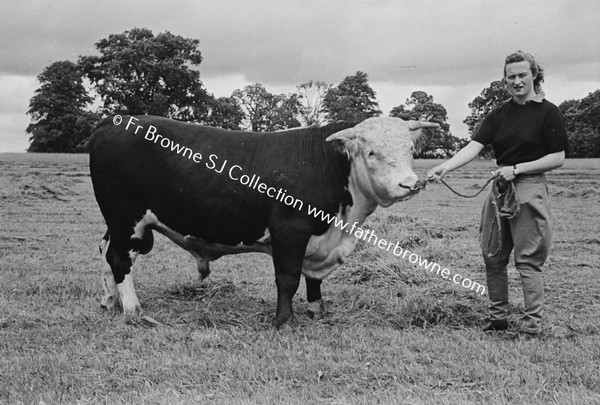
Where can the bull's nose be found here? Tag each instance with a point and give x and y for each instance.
(413, 186)
(408, 181)
(420, 184)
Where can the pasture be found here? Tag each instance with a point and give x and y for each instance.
(394, 333)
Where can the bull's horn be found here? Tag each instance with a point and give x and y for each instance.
(414, 125)
(344, 134)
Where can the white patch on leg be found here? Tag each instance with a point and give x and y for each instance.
(111, 294)
(314, 307)
(132, 256)
(140, 227)
(266, 238)
(131, 304)
(317, 309)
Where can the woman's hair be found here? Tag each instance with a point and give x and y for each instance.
(536, 69)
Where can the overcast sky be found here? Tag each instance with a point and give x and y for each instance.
(451, 49)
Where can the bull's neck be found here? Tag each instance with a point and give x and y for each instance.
(326, 252)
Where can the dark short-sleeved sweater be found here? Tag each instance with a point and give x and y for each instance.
(523, 133)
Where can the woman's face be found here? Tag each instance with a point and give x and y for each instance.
(519, 80)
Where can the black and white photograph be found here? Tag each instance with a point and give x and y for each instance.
(300, 202)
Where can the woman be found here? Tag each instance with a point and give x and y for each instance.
(529, 138)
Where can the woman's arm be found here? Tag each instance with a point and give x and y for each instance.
(545, 163)
(549, 162)
(464, 156)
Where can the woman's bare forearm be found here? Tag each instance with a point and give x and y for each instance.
(546, 163)
(464, 156)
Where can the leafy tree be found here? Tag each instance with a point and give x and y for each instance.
(584, 143)
(353, 100)
(490, 98)
(255, 101)
(139, 73)
(589, 110)
(420, 106)
(582, 120)
(265, 111)
(566, 105)
(223, 112)
(311, 95)
(284, 114)
(60, 121)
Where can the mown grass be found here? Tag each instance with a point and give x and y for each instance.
(394, 334)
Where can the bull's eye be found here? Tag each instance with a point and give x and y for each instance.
(371, 153)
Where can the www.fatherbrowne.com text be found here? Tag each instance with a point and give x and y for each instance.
(236, 173)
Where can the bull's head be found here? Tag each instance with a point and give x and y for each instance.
(381, 150)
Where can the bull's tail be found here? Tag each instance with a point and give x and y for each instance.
(142, 245)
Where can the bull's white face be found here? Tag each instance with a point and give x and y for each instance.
(382, 156)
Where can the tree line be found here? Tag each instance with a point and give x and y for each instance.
(137, 72)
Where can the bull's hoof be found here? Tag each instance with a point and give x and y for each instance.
(134, 311)
(203, 274)
(316, 309)
(203, 269)
(111, 303)
(280, 321)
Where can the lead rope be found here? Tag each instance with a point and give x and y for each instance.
(468, 196)
(506, 205)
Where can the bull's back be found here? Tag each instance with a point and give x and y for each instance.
(131, 174)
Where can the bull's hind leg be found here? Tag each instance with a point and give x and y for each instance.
(129, 299)
(120, 262)
(122, 248)
(110, 299)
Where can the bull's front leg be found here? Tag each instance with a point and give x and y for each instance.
(288, 254)
(316, 307)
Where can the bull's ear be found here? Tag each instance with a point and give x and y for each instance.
(421, 133)
(346, 138)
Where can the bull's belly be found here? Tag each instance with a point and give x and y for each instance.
(324, 253)
(202, 249)
(212, 251)
(317, 264)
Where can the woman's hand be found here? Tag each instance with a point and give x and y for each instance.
(505, 173)
(464, 156)
(437, 172)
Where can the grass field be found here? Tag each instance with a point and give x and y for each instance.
(394, 334)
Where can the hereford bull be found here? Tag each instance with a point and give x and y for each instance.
(216, 192)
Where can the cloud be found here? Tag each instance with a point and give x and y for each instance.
(13, 137)
(281, 41)
(455, 48)
(16, 91)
